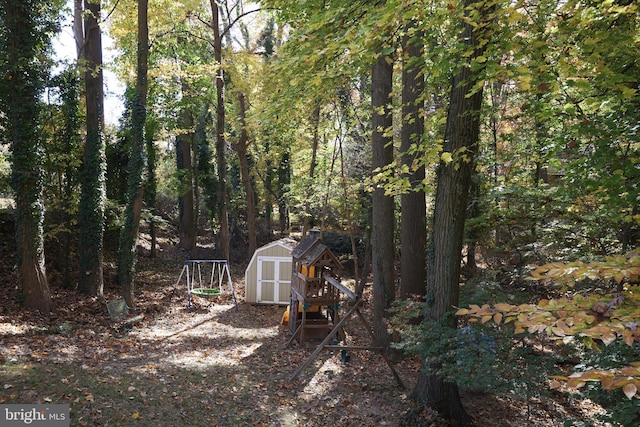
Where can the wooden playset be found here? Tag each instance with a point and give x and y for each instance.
(314, 301)
(313, 313)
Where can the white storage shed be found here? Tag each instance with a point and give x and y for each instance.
(267, 279)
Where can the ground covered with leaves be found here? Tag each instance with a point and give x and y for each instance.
(213, 364)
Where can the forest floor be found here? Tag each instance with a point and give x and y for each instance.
(213, 364)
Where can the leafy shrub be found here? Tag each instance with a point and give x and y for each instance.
(620, 409)
(479, 358)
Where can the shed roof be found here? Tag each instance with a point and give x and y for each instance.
(284, 242)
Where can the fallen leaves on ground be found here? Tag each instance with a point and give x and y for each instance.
(210, 365)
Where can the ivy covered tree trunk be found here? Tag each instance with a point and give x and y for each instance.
(136, 167)
(445, 250)
(383, 205)
(92, 177)
(71, 144)
(151, 187)
(20, 96)
(413, 234)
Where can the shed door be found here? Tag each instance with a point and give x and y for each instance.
(274, 280)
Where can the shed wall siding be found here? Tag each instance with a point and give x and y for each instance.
(273, 251)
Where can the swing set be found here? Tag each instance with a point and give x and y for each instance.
(196, 272)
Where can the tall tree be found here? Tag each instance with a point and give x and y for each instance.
(221, 143)
(23, 39)
(91, 209)
(186, 212)
(78, 28)
(151, 185)
(136, 167)
(241, 149)
(453, 184)
(413, 235)
(315, 141)
(382, 221)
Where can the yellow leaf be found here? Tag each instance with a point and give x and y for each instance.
(607, 383)
(619, 277)
(630, 371)
(608, 338)
(505, 308)
(575, 383)
(630, 390)
(555, 385)
(591, 375)
(524, 82)
(135, 415)
(628, 92)
(486, 318)
(497, 318)
(539, 327)
(446, 157)
(462, 312)
(627, 337)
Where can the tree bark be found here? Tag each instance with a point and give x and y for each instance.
(136, 167)
(383, 205)
(445, 251)
(20, 96)
(315, 122)
(91, 209)
(78, 29)
(151, 185)
(241, 148)
(221, 143)
(284, 179)
(413, 234)
(187, 228)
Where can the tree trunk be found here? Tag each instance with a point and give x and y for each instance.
(221, 143)
(284, 179)
(78, 29)
(315, 122)
(187, 228)
(136, 167)
(445, 251)
(20, 95)
(91, 209)
(413, 235)
(383, 205)
(241, 148)
(151, 186)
